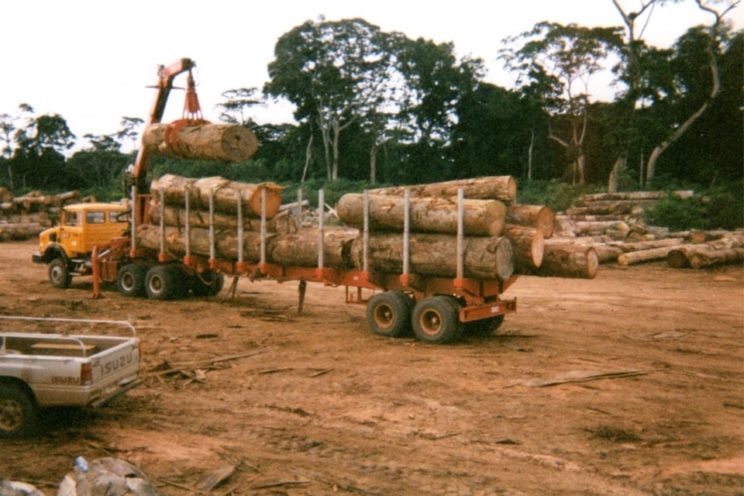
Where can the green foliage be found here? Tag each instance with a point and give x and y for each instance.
(717, 208)
(555, 194)
(332, 190)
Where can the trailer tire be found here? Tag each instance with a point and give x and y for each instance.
(18, 412)
(208, 283)
(161, 282)
(484, 327)
(131, 279)
(59, 274)
(389, 313)
(436, 320)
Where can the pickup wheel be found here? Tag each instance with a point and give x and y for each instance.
(162, 282)
(389, 313)
(18, 412)
(436, 320)
(59, 274)
(131, 279)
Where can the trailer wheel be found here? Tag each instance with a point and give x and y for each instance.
(161, 282)
(437, 320)
(484, 327)
(389, 313)
(131, 279)
(208, 283)
(59, 274)
(18, 412)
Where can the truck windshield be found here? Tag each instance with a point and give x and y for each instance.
(71, 219)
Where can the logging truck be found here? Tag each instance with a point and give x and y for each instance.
(438, 286)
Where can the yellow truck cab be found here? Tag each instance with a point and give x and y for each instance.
(66, 248)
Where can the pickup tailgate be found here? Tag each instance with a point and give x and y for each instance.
(113, 372)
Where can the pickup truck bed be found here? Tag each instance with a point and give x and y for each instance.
(40, 370)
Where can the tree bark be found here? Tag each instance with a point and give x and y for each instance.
(528, 245)
(435, 255)
(438, 215)
(300, 249)
(176, 217)
(634, 257)
(569, 260)
(226, 142)
(225, 194)
(502, 188)
(536, 216)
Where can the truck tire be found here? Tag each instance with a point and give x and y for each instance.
(436, 320)
(18, 412)
(161, 282)
(389, 313)
(208, 283)
(59, 274)
(131, 279)
(484, 327)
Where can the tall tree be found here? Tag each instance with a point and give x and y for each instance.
(7, 126)
(557, 62)
(237, 102)
(333, 72)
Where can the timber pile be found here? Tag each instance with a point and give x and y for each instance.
(24, 217)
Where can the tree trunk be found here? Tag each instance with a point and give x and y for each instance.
(373, 163)
(613, 184)
(619, 229)
(225, 194)
(722, 251)
(632, 195)
(502, 188)
(308, 157)
(635, 257)
(647, 245)
(300, 249)
(226, 142)
(536, 216)
(528, 245)
(569, 260)
(176, 217)
(439, 215)
(435, 255)
(529, 154)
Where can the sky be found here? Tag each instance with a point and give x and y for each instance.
(92, 60)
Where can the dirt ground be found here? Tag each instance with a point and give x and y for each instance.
(320, 405)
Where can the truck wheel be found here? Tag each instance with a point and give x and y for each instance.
(389, 313)
(131, 279)
(208, 283)
(437, 320)
(161, 282)
(59, 274)
(484, 327)
(18, 412)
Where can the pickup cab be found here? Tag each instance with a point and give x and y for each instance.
(39, 369)
(66, 248)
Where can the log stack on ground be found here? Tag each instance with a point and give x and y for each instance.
(728, 249)
(24, 217)
(528, 245)
(502, 188)
(205, 141)
(538, 217)
(569, 260)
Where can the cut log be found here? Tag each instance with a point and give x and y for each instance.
(647, 245)
(698, 236)
(636, 195)
(205, 141)
(635, 257)
(726, 250)
(5, 195)
(535, 216)
(437, 215)
(528, 245)
(225, 194)
(282, 223)
(569, 260)
(611, 208)
(502, 188)
(618, 229)
(19, 232)
(435, 255)
(300, 249)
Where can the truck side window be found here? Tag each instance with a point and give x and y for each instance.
(95, 218)
(119, 217)
(71, 219)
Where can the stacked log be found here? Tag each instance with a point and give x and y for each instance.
(567, 259)
(24, 217)
(204, 141)
(726, 250)
(538, 217)
(528, 245)
(283, 222)
(427, 214)
(224, 194)
(502, 188)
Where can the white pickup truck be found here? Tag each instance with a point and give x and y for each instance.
(39, 369)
